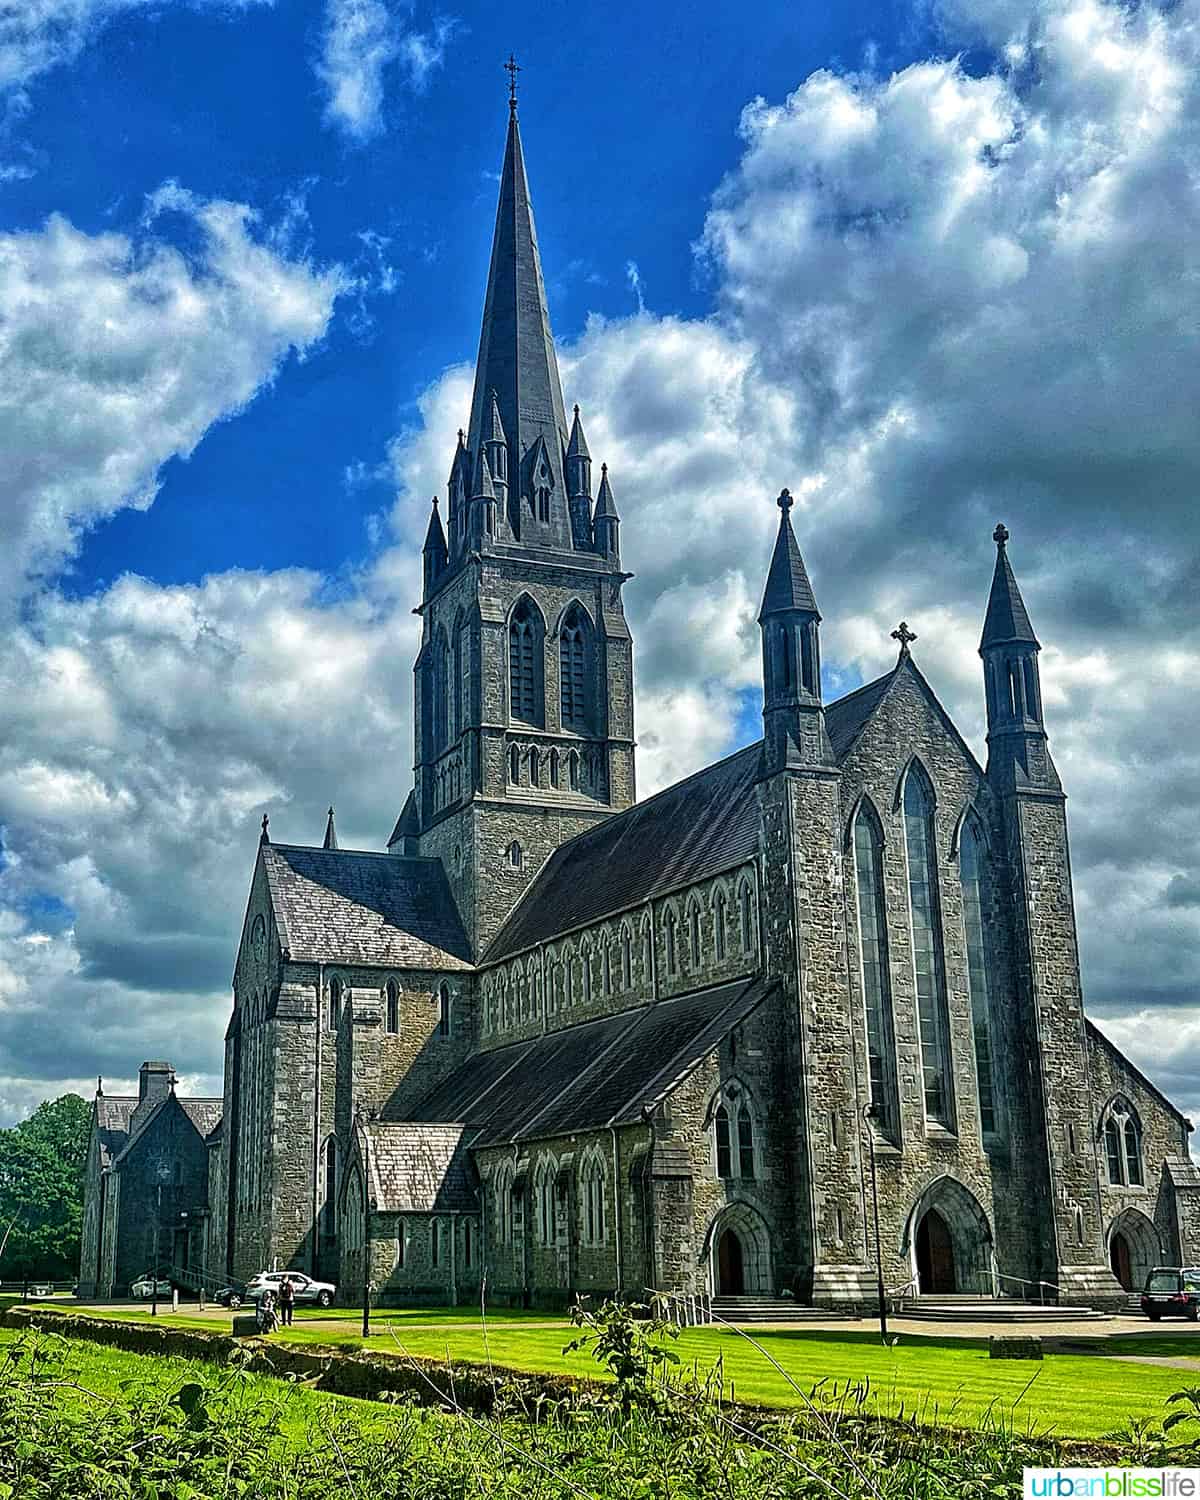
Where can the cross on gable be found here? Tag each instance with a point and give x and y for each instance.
(904, 635)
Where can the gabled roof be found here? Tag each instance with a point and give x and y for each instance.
(203, 1114)
(408, 824)
(702, 825)
(787, 578)
(112, 1125)
(1097, 1035)
(348, 906)
(419, 1168)
(694, 829)
(595, 1074)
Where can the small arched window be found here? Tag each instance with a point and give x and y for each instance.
(393, 1007)
(745, 1133)
(626, 957)
(525, 634)
(593, 1200)
(672, 953)
(694, 934)
(329, 1207)
(535, 767)
(445, 1011)
(545, 1196)
(554, 771)
(720, 921)
(746, 917)
(514, 765)
(335, 1004)
(401, 1243)
(514, 855)
(607, 968)
(573, 664)
(724, 1142)
(585, 959)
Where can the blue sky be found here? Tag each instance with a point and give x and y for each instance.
(930, 265)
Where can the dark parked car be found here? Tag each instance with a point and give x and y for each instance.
(1172, 1292)
(232, 1295)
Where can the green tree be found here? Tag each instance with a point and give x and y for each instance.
(41, 1190)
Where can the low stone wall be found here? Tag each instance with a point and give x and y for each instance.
(347, 1372)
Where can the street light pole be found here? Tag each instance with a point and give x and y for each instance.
(870, 1114)
(154, 1269)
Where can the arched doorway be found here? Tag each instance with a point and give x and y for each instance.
(1133, 1248)
(948, 1241)
(935, 1255)
(738, 1250)
(731, 1272)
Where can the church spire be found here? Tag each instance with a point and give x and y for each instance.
(433, 553)
(1017, 751)
(331, 841)
(517, 369)
(793, 716)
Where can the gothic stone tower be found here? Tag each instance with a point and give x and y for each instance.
(523, 716)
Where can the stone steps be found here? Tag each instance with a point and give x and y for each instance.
(768, 1310)
(967, 1309)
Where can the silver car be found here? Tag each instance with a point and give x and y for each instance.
(319, 1293)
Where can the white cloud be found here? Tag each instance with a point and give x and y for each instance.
(941, 300)
(119, 353)
(362, 39)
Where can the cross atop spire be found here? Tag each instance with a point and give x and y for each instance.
(1000, 535)
(1007, 619)
(905, 636)
(512, 67)
(787, 587)
(265, 837)
(785, 501)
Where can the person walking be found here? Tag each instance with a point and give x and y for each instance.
(287, 1301)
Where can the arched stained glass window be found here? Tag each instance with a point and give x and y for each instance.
(393, 1007)
(1112, 1152)
(970, 865)
(745, 1132)
(573, 643)
(525, 634)
(672, 954)
(694, 934)
(876, 971)
(724, 1144)
(720, 921)
(1123, 1145)
(927, 946)
(746, 915)
(626, 958)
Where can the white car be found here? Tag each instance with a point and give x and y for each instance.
(321, 1293)
(144, 1287)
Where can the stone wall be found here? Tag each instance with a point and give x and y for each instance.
(625, 960)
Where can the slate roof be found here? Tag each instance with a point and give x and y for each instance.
(1007, 618)
(346, 906)
(696, 828)
(701, 825)
(597, 1073)
(420, 1169)
(112, 1125)
(787, 579)
(204, 1114)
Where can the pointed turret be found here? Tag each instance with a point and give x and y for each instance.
(793, 717)
(577, 462)
(606, 523)
(1017, 749)
(495, 445)
(458, 490)
(484, 500)
(517, 371)
(408, 828)
(433, 554)
(331, 841)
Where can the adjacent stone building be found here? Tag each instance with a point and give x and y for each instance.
(572, 1042)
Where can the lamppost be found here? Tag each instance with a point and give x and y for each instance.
(162, 1171)
(870, 1114)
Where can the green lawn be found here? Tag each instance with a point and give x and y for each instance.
(948, 1380)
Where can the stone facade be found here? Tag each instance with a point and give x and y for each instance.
(574, 1043)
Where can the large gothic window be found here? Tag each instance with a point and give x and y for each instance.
(876, 973)
(441, 692)
(733, 1134)
(927, 945)
(1123, 1145)
(971, 871)
(525, 634)
(573, 671)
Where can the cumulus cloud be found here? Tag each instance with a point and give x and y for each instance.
(940, 298)
(119, 352)
(37, 35)
(362, 40)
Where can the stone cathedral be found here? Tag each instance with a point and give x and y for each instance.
(571, 1042)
